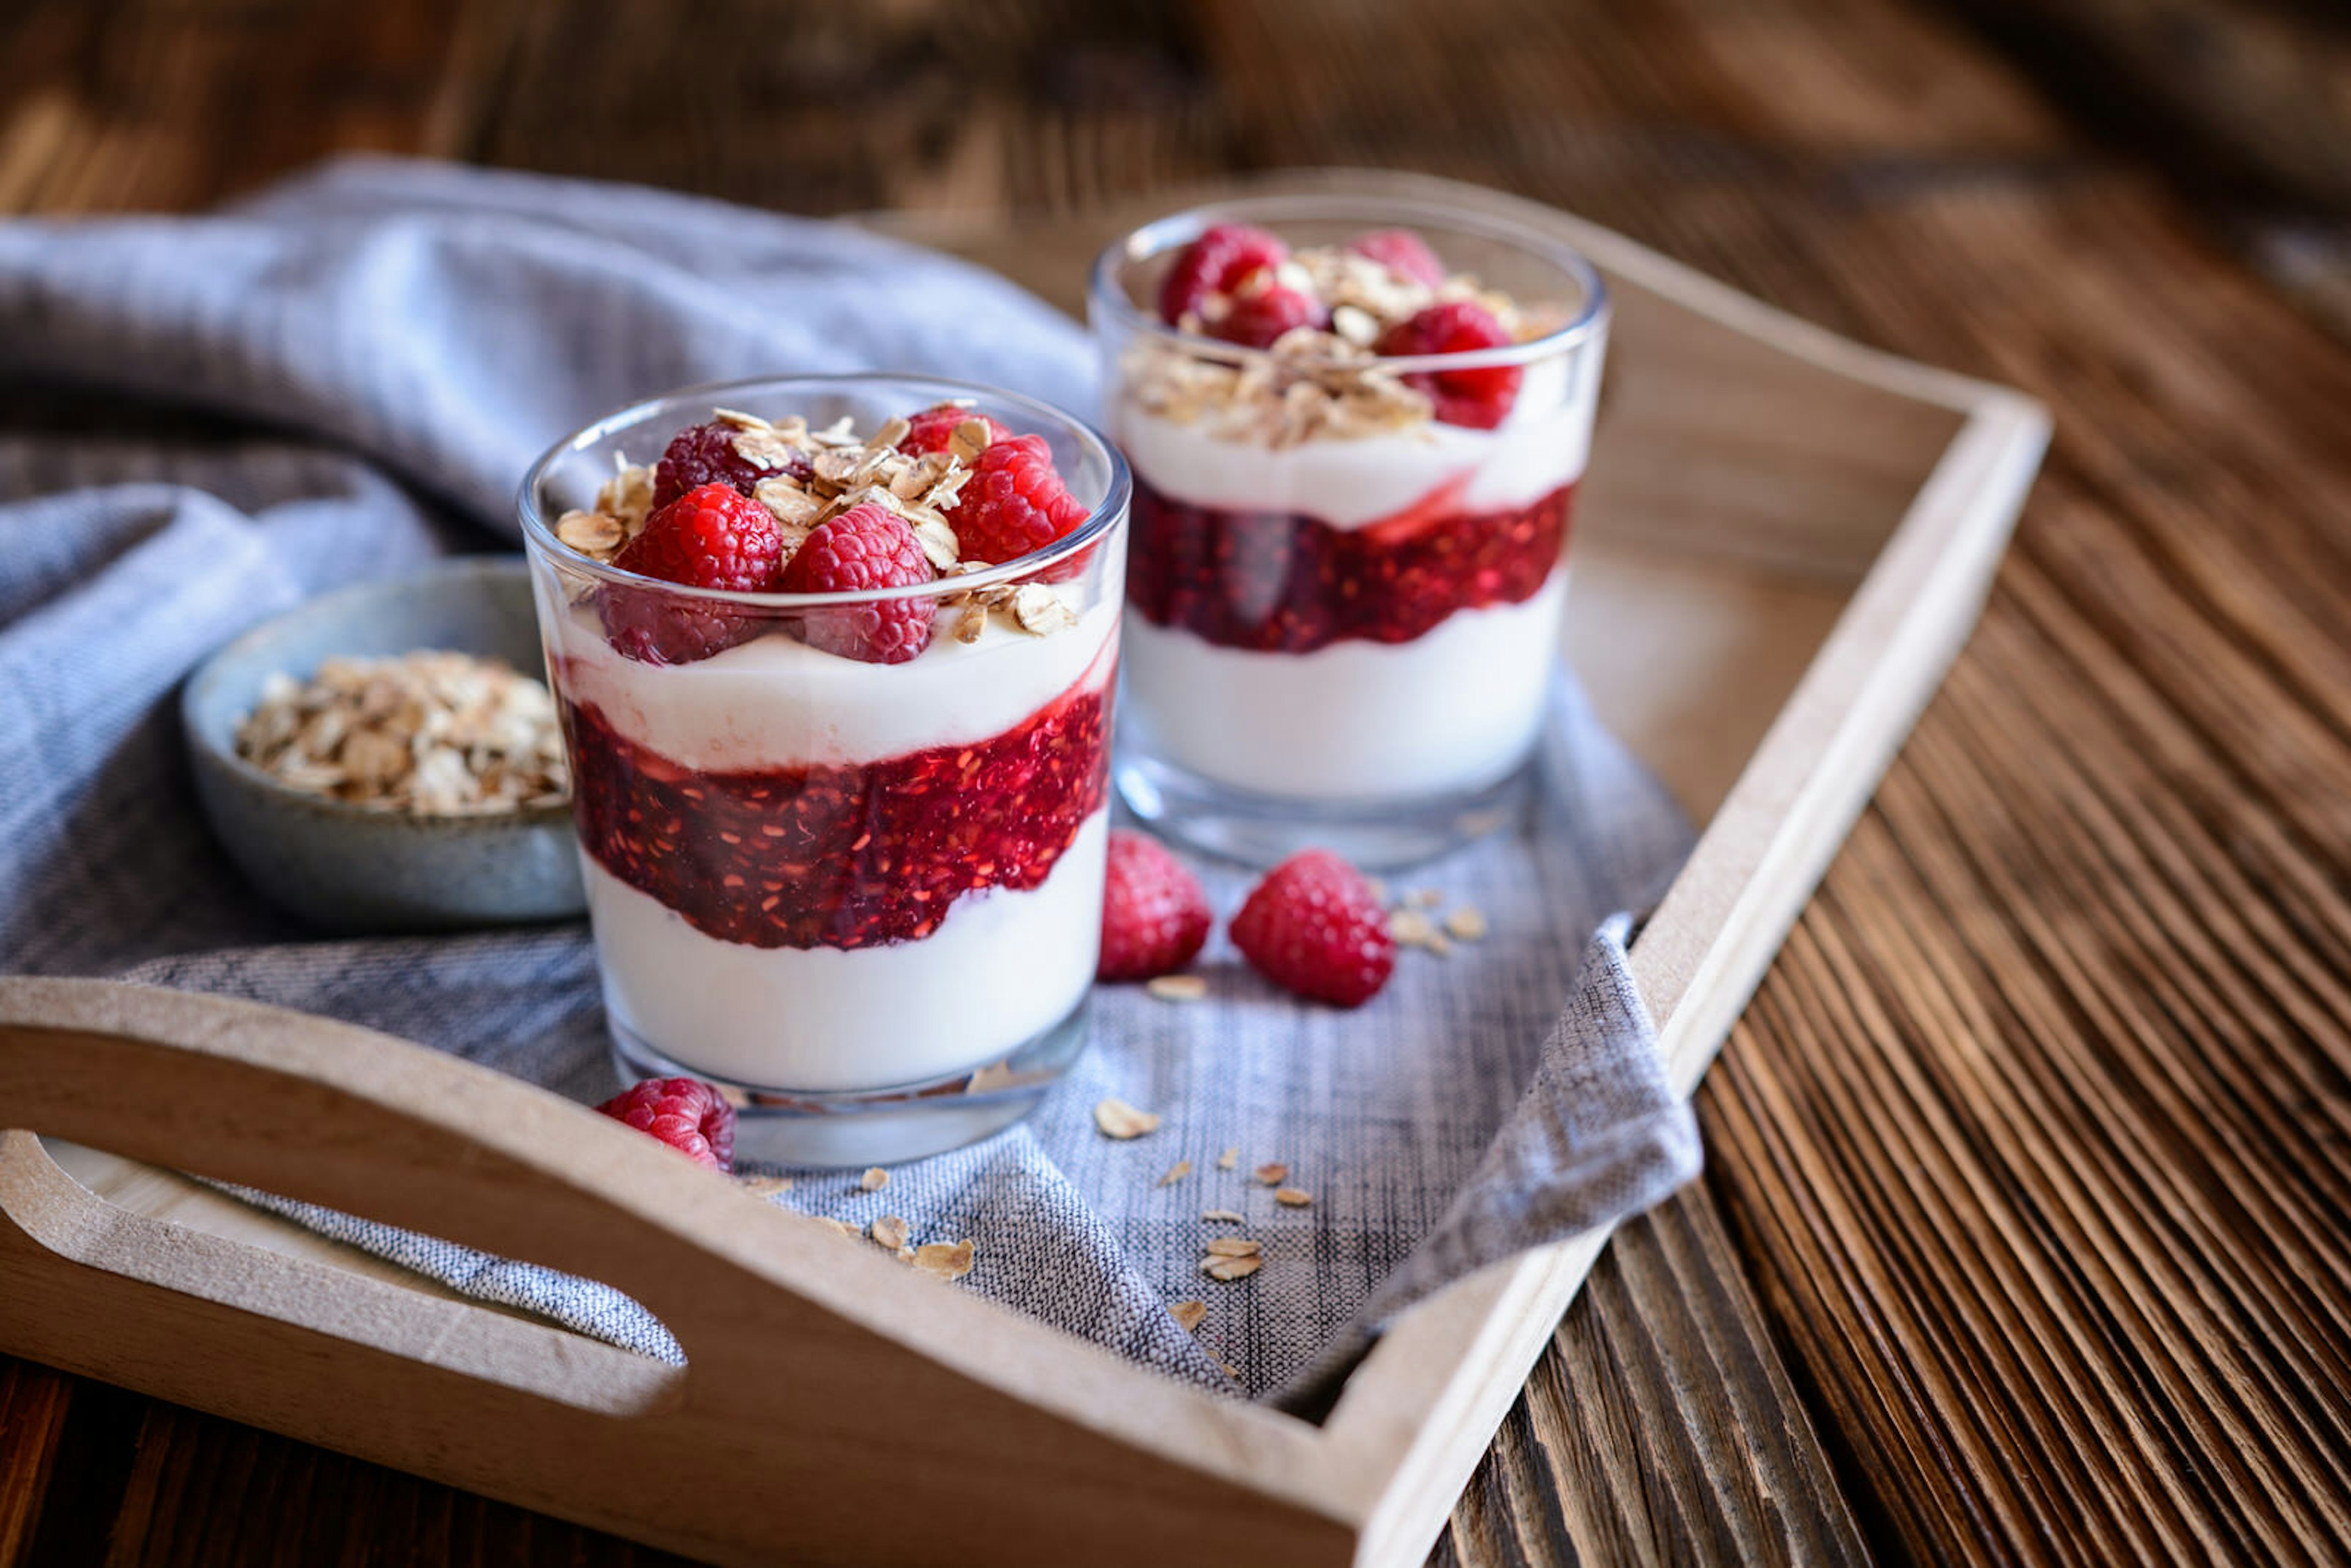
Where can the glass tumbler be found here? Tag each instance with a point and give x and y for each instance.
(1349, 560)
(865, 898)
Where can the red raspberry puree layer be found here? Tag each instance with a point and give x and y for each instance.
(848, 855)
(1284, 582)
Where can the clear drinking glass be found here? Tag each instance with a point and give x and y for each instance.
(865, 898)
(1345, 602)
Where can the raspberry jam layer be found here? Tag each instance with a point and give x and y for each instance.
(846, 855)
(1285, 582)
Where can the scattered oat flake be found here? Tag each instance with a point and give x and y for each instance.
(1467, 924)
(1117, 1119)
(1223, 1217)
(1189, 1315)
(874, 1179)
(890, 1232)
(1427, 897)
(1292, 1197)
(1176, 1173)
(1177, 988)
(1410, 928)
(1271, 1173)
(1228, 1369)
(943, 1260)
(843, 1226)
(1229, 1159)
(1234, 1247)
(1230, 1269)
(765, 1186)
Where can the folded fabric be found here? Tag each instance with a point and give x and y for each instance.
(380, 349)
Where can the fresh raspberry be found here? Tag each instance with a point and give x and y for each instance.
(1013, 503)
(707, 538)
(1402, 252)
(1218, 262)
(1478, 398)
(686, 1113)
(704, 454)
(865, 549)
(1256, 320)
(929, 430)
(1314, 927)
(1155, 917)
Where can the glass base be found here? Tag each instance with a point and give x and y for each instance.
(878, 1126)
(1263, 830)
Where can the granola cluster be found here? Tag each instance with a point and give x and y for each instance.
(430, 732)
(1324, 382)
(810, 477)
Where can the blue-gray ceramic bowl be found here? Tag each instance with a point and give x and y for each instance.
(343, 866)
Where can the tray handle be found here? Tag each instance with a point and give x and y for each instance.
(361, 1122)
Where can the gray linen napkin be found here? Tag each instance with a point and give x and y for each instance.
(379, 350)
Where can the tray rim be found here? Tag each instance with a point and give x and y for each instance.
(1374, 1483)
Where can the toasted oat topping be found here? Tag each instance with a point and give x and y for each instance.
(1272, 1172)
(765, 1186)
(1313, 384)
(1292, 1197)
(846, 470)
(1223, 1217)
(1036, 608)
(1176, 1173)
(429, 733)
(1189, 1315)
(889, 1232)
(874, 1179)
(1229, 1159)
(1117, 1119)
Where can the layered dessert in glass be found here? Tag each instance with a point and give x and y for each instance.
(835, 659)
(1356, 431)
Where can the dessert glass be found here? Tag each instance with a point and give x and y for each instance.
(1345, 615)
(863, 899)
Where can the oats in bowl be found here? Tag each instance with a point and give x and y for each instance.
(429, 732)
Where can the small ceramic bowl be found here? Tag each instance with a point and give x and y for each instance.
(343, 866)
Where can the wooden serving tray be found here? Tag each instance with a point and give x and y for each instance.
(1783, 541)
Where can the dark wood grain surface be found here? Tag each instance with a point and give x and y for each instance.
(2024, 1234)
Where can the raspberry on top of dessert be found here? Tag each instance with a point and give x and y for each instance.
(739, 504)
(1328, 315)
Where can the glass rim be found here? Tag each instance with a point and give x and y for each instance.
(1163, 235)
(538, 531)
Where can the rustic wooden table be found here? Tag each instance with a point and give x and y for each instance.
(2024, 1237)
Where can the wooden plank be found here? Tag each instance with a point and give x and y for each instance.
(33, 1405)
(1663, 1427)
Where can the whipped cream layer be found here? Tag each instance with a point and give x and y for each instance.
(1002, 968)
(775, 702)
(1456, 709)
(1540, 445)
